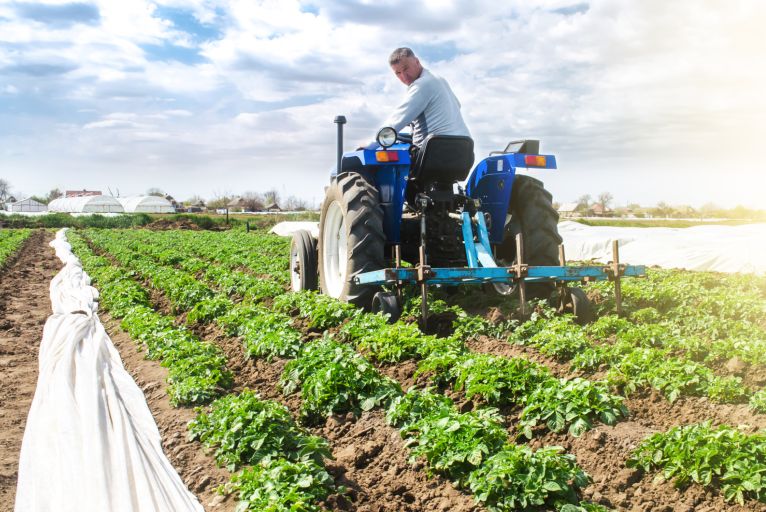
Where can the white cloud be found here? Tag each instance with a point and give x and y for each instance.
(652, 87)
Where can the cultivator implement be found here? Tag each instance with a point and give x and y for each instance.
(457, 223)
(482, 269)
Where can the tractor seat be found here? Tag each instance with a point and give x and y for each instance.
(443, 159)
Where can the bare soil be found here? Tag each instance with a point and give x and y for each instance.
(24, 308)
(370, 459)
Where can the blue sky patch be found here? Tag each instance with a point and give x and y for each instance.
(39, 69)
(436, 52)
(170, 52)
(310, 8)
(184, 20)
(572, 9)
(59, 16)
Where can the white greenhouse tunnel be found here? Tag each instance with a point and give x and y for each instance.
(86, 204)
(146, 204)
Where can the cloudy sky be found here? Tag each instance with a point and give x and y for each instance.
(649, 100)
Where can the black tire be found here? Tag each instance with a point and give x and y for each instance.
(365, 239)
(388, 304)
(303, 261)
(531, 214)
(582, 308)
(575, 303)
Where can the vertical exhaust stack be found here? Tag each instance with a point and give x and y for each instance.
(340, 121)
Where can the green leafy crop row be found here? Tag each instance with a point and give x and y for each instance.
(472, 450)
(197, 370)
(10, 242)
(710, 456)
(333, 379)
(284, 465)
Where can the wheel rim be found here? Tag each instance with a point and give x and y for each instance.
(334, 250)
(295, 268)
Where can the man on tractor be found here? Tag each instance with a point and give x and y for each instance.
(429, 106)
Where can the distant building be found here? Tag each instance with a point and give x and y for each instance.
(237, 204)
(82, 193)
(272, 207)
(599, 210)
(567, 210)
(27, 205)
(176, 205)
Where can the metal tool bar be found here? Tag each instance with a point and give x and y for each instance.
(390, 276)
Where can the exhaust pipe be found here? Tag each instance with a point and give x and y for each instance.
(340, 121)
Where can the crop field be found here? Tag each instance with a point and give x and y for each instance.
(275, 401)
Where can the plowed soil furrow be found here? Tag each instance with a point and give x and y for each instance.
(372, 461)
(24, 308)
(370, 457)
(603, 451)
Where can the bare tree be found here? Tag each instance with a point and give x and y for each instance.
(154, 191)
(583, 203)
(53, 194)
(293, 203)
(252, 201)
(663, 209)
(220, 199)
(218, 202)
(194, 201)
(604, 199)
(5, 190)
(271, 196)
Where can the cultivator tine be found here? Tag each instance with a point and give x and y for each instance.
(398, 263)
(562, 285)
(520, 274)
(616, 270)
(422, 270)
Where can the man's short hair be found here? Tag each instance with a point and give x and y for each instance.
(399, 54)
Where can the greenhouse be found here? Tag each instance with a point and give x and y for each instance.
(146, 204)
(86, 204)
(27, 205)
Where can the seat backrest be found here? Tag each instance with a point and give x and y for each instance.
(444, 159)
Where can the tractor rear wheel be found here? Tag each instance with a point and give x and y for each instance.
(351, 238)
(530, 213)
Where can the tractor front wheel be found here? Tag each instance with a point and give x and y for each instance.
(530, 213)
(303, 261)
(351, 238)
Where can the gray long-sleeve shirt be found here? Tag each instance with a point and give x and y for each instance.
(431, 107)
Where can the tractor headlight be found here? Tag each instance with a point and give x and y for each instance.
(386, 137)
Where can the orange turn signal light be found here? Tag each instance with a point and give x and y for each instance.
(534, 160)
(386, 156)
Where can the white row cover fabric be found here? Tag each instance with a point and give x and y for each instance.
(146, 204)
(718, 248)
(288, 228)
(86, 204)
(710, 247)
(90, 442)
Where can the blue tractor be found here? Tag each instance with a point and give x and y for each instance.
(392, 203)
